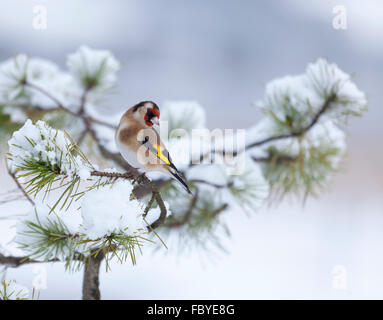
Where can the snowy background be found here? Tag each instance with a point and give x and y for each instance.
(221, 53)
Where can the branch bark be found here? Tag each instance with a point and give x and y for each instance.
(91, 281)
(15, 262)
(26, 195)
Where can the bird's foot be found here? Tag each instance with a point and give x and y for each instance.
(133, 172)
(140, 177)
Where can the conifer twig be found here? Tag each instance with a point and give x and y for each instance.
(26, 195)
(187, 214)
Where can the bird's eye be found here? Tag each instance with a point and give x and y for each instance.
(150, 112)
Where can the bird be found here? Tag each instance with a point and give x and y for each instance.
(140, 144)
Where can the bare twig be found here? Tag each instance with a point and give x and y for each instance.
(106, 124)
(19, 261)
(187, 214)
(80, 113)
(160, 202)
(26, 195)
(53, 98)
(127, 175)
(83, 100)
(143, 190)
(149, 205)
(276, 158)
(215, 185)
(223, 207)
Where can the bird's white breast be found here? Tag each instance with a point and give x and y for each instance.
(129, 155)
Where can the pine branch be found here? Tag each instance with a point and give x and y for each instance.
(118, 159)
(121, 162)
(297, 133)
(128, 176)
(151, 187)
(147, 182)
(291, 134)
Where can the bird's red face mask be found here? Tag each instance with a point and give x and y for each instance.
(152, 116)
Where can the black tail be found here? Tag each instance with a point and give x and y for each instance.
(177, 176)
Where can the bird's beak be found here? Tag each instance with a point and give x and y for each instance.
(155, 120)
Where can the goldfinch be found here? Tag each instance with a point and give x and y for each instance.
(140, 144)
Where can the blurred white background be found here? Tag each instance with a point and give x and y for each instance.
(221, 53)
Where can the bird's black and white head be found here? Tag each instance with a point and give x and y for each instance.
(146, 112)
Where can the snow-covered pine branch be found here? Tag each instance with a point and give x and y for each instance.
(111, 218)
(300, 141)
(294, 149)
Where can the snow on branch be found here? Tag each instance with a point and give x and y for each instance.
(323, 92)
(294, 149)
(43, 160)
(300, 142)
(93, 69)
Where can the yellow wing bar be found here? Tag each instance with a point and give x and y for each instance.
(160, 154)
